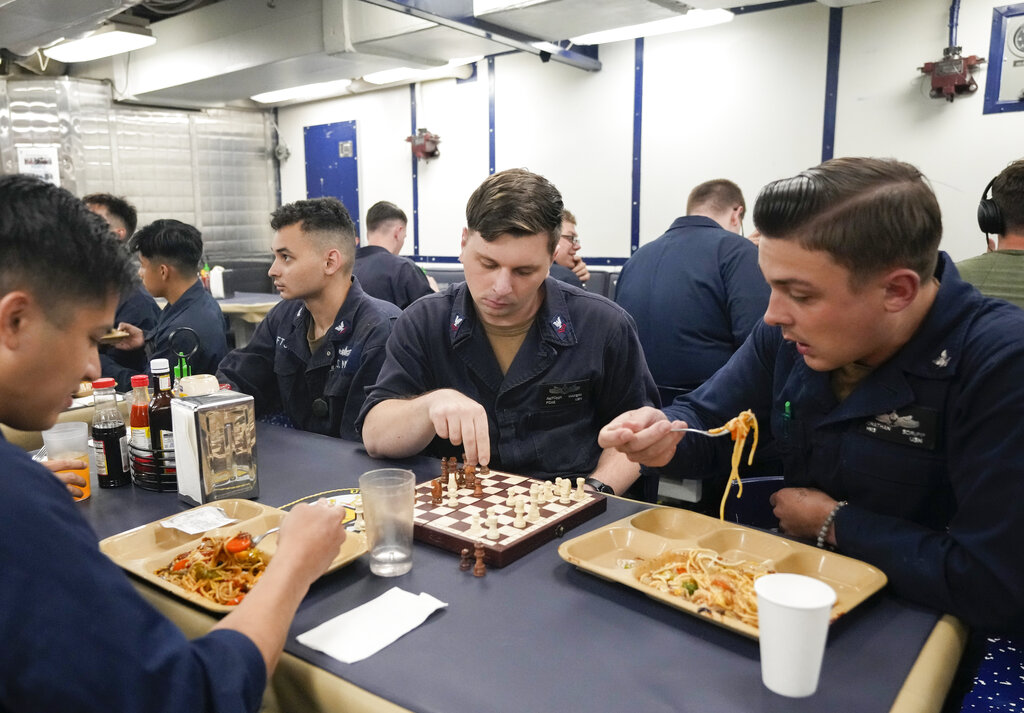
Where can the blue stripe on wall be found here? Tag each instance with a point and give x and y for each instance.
(835, 36)
(415, 175)
(490, 113)
(638, 110)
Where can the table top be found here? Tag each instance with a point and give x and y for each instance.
(540, 634)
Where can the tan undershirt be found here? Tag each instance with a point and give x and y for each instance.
(505, 341)
(845, 379)
(314, 343)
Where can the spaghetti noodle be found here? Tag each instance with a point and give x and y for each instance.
(221, 569)
(703, 577)
(739, 427)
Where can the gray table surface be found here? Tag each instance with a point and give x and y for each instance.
(540, 635)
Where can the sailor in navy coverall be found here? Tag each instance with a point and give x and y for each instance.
(319, 392)
(585, 366)
(908, 456)
(513, 367)
(314, 354)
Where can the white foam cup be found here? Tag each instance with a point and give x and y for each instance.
(793, 617)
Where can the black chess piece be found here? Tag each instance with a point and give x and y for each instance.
(466, 562)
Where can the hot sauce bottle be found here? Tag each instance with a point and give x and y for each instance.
(160, 428)
(138, 419)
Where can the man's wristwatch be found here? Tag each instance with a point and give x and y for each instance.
(599, 486)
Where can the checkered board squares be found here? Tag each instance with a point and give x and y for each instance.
(448, 527)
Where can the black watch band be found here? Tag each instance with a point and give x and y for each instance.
(599, 486)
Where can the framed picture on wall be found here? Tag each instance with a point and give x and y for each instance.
(1004, 87)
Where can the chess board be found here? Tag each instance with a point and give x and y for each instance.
(448, 528)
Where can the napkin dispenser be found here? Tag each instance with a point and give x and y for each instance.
(215, 446)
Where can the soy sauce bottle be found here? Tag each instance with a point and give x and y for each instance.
(160, 428)
(109, 436)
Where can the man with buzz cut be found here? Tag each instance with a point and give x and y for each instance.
(381, 271)
(893, 389)
(696, 291)
(76, 634)
(512, 367)
(314, 354)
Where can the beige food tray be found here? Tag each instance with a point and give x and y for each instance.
(146, 549)
(611, 552)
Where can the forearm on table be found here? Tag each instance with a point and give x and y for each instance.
(265, 614)
(398, 428)
(616, 470)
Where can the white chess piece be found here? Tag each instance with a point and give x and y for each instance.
(492, 525)
(520, 521)
(360, 524)
(580, 492)
(475, 529)
(534, 514)
(453, 492)
(563, 491)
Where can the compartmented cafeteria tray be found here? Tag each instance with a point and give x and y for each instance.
(143, 550)
(614, 551)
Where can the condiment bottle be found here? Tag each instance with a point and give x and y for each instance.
(109, 436)
(138, 419)
(160, 428)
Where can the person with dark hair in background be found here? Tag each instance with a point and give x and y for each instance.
(169, 256)
(76, 635)
(314, 354)
(567, 266)
(1000, 271)
(136, 306)
(515, 369)
(696, 291)
(381, 271)
(893, 389)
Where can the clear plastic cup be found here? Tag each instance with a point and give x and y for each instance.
(70, 441)
(388, 495)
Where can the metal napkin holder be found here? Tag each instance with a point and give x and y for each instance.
(215, 446)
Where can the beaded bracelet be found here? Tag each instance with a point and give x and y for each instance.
(823, 532)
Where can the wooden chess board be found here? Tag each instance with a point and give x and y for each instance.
(448, 527)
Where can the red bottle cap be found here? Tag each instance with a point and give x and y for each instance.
(104, 383)
(140, 380)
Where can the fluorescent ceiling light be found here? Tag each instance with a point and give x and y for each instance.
(109, 39)
(692, 20)
(305, 92)
(408, 74)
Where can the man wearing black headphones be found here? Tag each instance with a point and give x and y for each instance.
(1000, 271)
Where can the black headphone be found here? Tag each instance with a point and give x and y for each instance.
(990, 218)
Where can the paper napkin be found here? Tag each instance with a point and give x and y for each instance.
(365, 630)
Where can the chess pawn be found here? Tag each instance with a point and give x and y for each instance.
(536, 492)
(466, 561)
(470, 476)
(475, 528)
(478, 488)
(360, 524)
(444, 468)
(549, 492)
(580, 492)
